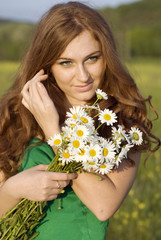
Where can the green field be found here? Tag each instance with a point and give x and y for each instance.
(139, 217)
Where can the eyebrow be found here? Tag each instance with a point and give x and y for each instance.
(69, 59)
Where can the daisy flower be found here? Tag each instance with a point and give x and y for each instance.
(81, 132)
(119, 134)
(71, 122)
(136, 136)
(101, 95)
(105, 168)
(87, 120)
(75, 111)
(67, 132)
(65, 156)
(94, 152)
(122, 154)
(81, 156)
(87, 166)
(56, 140)
(108, 150)
(107, 116)
(75, 145)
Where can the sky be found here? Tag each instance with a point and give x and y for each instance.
(32, 10)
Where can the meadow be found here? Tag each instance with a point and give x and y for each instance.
(139, 217)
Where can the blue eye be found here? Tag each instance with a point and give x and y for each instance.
(65, 63)
(92, 59)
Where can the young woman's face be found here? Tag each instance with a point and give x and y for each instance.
(79, 70)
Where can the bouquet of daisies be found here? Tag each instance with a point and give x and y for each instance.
(79, 141)
(79, 148)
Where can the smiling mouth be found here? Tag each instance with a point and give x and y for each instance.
(84, 88)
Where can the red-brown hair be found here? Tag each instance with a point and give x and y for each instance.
(58, 27)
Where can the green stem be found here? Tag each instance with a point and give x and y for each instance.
(98, 127)
(33, 209)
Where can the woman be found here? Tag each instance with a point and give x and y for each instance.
(72, 54)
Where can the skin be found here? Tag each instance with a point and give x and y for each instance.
(81, 71)
(78, 73)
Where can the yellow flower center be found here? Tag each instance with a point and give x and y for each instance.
(84, 120)
(92, 163)
(136, 136)
(80, 133)
(92, 153)
(66, 154)
(107, 117)
(105, 152)
(103, 166)
(57, 141)
(72, 124)
(82, 152)
(74, 116)
(76, 143)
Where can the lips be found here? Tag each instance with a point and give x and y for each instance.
(84, 87)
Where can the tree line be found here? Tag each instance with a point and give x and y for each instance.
(136, 28)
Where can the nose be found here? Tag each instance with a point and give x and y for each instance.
(82, 73)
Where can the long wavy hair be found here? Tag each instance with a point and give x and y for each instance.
(57, 28)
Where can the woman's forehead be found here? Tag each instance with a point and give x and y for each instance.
(84, 44)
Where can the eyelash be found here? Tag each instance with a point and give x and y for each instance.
(93, 58)
(67, 63)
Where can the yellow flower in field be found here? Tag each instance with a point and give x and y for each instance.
(150, 175)
(135, 214)
(136, 201)
(125, 221)
(131, 193)
(141, 206)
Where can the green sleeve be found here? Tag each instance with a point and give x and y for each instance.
(35, 155)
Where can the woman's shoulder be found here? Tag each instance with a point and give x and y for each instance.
(37, 152)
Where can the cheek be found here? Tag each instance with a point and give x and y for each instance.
(60, 76)
(99, 69)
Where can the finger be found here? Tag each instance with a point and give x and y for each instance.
(39, 73)
(44, 94)
(41, 167)
(25, 88)
(33, 87)
(52, 197)
(25, 103)
(59, 185)
(62, 176)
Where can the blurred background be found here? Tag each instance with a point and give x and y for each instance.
(137, 29)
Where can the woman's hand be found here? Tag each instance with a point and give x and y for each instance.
(37, 101)
(36, 184)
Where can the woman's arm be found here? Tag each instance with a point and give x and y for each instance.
(34, 184)
(104, 197)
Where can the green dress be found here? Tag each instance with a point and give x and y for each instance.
(74, 221)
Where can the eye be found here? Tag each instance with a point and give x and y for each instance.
(92, 59)
(65, 63)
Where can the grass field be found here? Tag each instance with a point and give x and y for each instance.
(139, 218)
